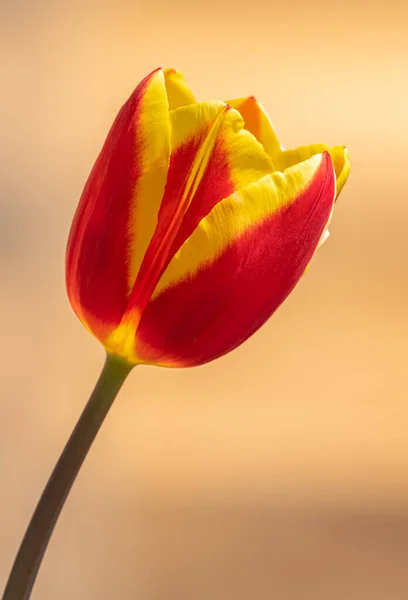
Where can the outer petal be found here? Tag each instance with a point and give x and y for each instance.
(339, 156)
(118, 209)
(178, 92)
(212, 156)
(238, 266)
(258, 122)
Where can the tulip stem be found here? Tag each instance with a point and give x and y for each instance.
(35, 541)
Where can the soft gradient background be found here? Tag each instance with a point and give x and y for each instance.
(281, 470)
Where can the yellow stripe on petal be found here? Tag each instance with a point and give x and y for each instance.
(178, 92)
(235, 215)
(258, 122)
(122, 339)
(338, 154)
(152, 162)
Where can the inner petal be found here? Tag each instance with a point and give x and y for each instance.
(258, 122)
(338, 155)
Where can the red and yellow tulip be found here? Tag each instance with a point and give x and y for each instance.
(194, 225)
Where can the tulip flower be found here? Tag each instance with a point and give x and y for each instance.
(194, 224)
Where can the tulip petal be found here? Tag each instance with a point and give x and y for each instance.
(118, 209)
(339, 156)
(237, 267)
(212, 156)
(178, 92)
(258, 122)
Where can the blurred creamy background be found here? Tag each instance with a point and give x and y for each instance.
(281, 470)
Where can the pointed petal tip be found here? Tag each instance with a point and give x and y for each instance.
(159, 71)
(172, 72)
(178, 90)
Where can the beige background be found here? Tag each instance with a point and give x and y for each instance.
(281, 470)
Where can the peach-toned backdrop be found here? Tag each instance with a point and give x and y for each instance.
(281, 470)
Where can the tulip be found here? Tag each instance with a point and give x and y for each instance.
(194, 225)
